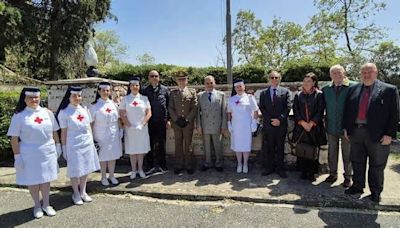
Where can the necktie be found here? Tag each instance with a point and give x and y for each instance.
(274, 97)
(363, 108)
(209, 96)
(337, 90)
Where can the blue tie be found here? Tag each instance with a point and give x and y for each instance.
(209, 97)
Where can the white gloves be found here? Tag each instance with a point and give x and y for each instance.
(121, 133)
(230, 127)
(18, 163)
(139, 127)
(58, 149)
(64, 149)
(254, 125)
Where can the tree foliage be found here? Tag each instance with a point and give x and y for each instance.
(109, 48)
(50, 33)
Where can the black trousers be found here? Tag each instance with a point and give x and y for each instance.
(361, 148)
(158, 137)
(273, 147)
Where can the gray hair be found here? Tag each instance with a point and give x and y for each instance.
(337, 67)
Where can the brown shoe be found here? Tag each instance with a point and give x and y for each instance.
(346, 183)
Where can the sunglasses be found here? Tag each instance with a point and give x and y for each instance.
(154, 76)
(182, 79)
(274, 77)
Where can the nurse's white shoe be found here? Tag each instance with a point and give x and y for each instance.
(49, 210)
(133, 175)
(77, 199)
(245, 169)
(114, 180)
(37, 212)
(86, 198)
(239, 169)
(105, 182)
(142, 174)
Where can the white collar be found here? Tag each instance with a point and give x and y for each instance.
(32, 109)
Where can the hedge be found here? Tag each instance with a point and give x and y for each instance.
(251, 74)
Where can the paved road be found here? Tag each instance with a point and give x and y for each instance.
(133, 211)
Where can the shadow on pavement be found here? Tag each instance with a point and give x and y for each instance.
(16, 218)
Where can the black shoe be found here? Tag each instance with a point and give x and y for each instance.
(219, 169)
(376, 198)
(177, 171)
(346, 183)
(190, 171)
(331, 179)
(204, 168)
(353, 190)
(267, 172)
(163, 168)
(311, 177)
(282, 174)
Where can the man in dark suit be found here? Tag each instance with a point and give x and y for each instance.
(370, 122)
(275, 104)
(158, 96)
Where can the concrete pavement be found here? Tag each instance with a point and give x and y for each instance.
(252, 187)
(135, 211)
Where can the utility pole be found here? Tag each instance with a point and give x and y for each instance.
(228, 42)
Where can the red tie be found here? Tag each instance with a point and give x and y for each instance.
(362, 109)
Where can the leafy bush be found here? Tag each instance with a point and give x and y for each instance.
(8, 101)
(251, 74)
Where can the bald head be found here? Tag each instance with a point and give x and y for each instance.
(369, 73)
(154, 78)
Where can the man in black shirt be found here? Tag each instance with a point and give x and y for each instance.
(158, 96)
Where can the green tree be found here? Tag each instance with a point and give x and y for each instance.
(146, 59)
(52, 32)
(352, 21)
(245, 36)
(280, 42)
(321, 43)
(109, 48)
(387, 58)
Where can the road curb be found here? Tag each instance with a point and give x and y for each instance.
(323, 201)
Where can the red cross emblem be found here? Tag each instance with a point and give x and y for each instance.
(135, 103)
(80, 117)
(38, 120)
(237, 102)
(108, 110)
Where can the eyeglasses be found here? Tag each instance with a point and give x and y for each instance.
(182, 79)
(274, 77)
(154, 76)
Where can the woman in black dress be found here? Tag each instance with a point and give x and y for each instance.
(308, 108)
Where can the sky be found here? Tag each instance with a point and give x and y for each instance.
(190, 32)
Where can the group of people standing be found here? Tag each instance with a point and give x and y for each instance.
(363, 117)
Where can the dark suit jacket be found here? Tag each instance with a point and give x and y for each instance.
(382, 114)
(279, 110)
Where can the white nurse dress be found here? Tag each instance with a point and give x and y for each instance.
(81, 153)
(35, 128)
(136, 141)
(106, 129)
(242, 108)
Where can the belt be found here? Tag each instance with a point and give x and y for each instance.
(360, 125)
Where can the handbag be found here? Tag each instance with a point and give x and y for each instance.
(304, 150)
